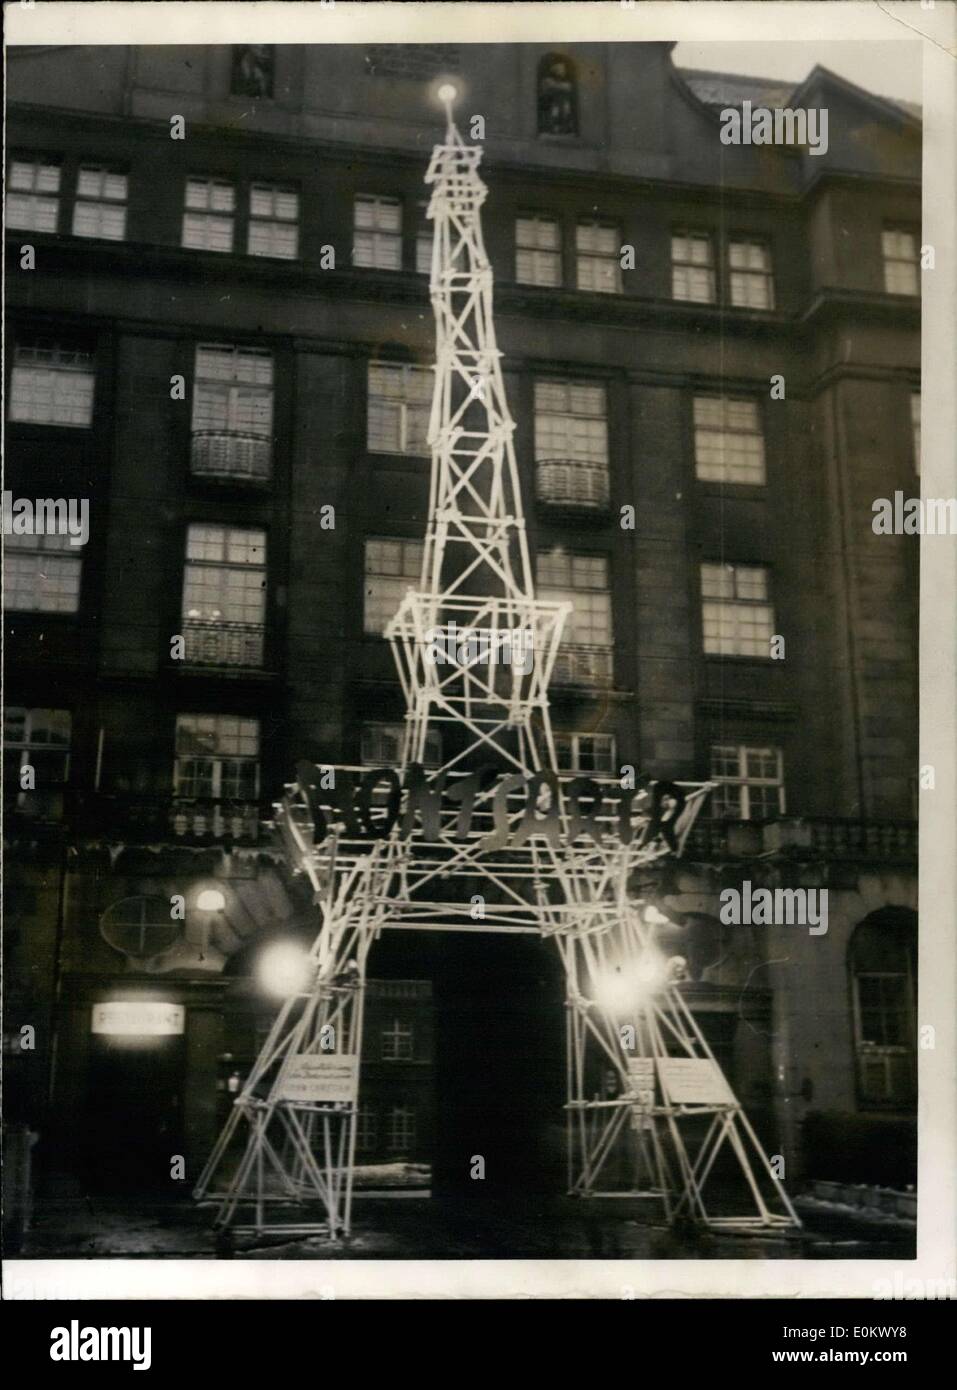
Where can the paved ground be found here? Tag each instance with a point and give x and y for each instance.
(416, 1228)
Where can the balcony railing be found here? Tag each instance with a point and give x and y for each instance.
(228, 456)
(583, 666)
(810, 838)
(216, 643)
(193, 821)
(572, 483)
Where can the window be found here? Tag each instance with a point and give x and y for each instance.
(41, 574)
(423, 243)
(232, 413)
(571, 442)
(253, 70)
(597, 247)
(401, 1128)
(391, 567)
(728, 440)
(692, 267)
(367, 1129)
(233, 389)
(382, 746)
(737, 617)
(398, 1042)
(32, 203)
(538, 250)
(217, 756)
(399, 407)
(750, 782)
(377, 235)
(881, 957)
(100, 207)
(37, 738)
(751, 280)
(273, 221)
(900, 261)
(915, 427)
(581, 580)
(585, 753)
(224, 595)
(557, 96)
(52, 384)
(208, 216)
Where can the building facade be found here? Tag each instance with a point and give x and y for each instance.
(219, 333)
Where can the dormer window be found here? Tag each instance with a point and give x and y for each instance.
(557, 96)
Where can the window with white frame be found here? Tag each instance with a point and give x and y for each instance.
(402, 1128)
(597, 256)
(391, 567)
(423, 242)
(571, 441)
(398, 1041)
(41, 574)
(377, 232)
(737, 616)
(751, 278)
(901, 257)
(750, 782)
(233, 390)
(39, 739)
(367, 1129)
(581, 580)
(915, 427)
(584, 753)
(32, 201)
(273, 221)
(538, 250)
(209, 213)
(52, 384)
(728, 440)
(692, 267)
(398, 410)
(381, 746)
(224, 595)
(100, 207)
(217, 757)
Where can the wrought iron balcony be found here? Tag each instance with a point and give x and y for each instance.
(805, 838)
(572, 483)
(231, 457)
(214, 643)
(576, 665)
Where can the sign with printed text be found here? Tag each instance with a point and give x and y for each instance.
(693, 1081)
(641, 1080)
(322, 1077)
(138, 1018)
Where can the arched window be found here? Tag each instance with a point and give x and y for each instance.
(557, 96)
(882, 958)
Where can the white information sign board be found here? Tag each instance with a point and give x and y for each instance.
(322, 1077)
(138, 1018)
(641, 1079)
(693, 1081)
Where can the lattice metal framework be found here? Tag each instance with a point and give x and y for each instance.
(496, 840)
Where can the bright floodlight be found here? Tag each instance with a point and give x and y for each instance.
(624, 988)
(447, 93)
(614, 991)
(211, 900)
(284, 969)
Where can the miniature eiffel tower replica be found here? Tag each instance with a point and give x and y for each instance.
(493, 841)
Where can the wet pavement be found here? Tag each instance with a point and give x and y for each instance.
(416, 1227)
